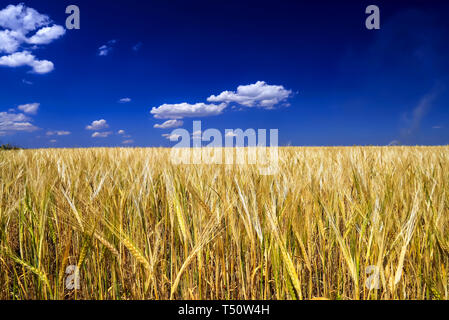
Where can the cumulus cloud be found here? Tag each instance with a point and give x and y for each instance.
(17, 39)
(231, 134)
(25, 58)
(21, 18)
(172, 136)
(106, 49)
(125, 100)
(58, 133)
(186, 110)
(169, 124)
(259, 94)
(101, 134)
(128, 141)
(30, 108)
(10, 41)
(123, 134)
(47, 35)
(98, 125)
(14, 122)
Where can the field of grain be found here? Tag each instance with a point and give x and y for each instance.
(335, 223)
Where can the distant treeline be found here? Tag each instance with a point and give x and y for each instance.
(8, 147)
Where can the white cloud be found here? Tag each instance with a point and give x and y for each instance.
(103, 50)
(437, 127)
(14, 122)
(10, 41)
(125, 100)
(106, 49)
(123, 134)
(169, 124)
(22, 18)
(128, 142)
(98, 125)
(18, 21)
(172, 136)
(47, 35)
(197, 134)
(58, 133)
(25, 58)
(53, 141)
(259, 94)
(101, 134)
(186, 110)
(30, 108)
(231, 134)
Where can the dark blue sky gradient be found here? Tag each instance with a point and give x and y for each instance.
(352, 86)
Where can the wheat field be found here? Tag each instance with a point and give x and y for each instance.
(334, 223)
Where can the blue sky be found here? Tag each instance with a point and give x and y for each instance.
(308, 68)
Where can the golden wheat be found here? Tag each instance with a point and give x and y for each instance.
(330, 224)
